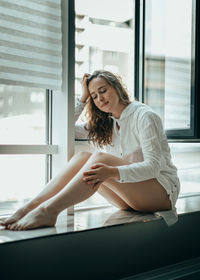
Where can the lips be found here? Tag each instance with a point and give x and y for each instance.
(104, 104)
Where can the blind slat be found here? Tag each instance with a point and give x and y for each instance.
(25, 22)
(31, 43)
(26, 16)
(22, 66)
(31, 8)
(27, 48)
(31, 58)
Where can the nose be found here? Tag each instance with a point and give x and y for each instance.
(100, 98)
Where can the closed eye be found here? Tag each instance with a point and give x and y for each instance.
(102, 90)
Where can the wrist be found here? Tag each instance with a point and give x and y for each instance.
(82, 100)
(115, 173)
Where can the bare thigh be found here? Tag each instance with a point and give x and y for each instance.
(113, 198)
(145, 196)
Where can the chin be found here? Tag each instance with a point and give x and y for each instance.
(106, 110)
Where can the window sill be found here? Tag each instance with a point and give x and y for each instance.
(88, 219)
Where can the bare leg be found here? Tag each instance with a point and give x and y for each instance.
(113, 198)
(148, 196)
(52, 188)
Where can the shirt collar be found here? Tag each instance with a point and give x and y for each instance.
(126, 112)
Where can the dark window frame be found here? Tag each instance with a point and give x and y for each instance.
(192, 134)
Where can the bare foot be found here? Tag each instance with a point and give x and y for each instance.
(20, 213)
(35, 219)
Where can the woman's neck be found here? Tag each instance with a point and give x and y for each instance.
(118, 111)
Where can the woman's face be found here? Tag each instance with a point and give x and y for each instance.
(105, 96)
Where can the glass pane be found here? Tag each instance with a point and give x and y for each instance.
(186, 157)
(22, 177)
(22, 115)
(168, 44)
(105, 39)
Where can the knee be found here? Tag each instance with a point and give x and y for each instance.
(99, 156)
(83, 154)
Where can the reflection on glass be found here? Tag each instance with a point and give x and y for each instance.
(105, 39)
(22, 176)
(168, 60)
(186, 157)
(22, 115)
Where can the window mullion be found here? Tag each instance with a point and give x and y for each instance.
(49, 97)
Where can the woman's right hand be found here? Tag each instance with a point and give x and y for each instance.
(85, 91)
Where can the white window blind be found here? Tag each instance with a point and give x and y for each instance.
(31, 43)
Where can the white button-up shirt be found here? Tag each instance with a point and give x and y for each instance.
(142, 141)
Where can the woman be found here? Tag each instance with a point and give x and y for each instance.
(135, 171)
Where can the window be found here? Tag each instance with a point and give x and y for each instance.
(23, 126)
(186, 157)
(170, 86)
(104, 40)
(22, 177)
(31, 67)
(169, 64)
(22, 115)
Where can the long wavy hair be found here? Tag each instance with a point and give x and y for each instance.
(100, 124)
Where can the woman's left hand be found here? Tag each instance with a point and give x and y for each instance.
(99, 173)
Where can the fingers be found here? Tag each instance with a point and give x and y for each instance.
(93, 181)
(90, 179)
(89, 173)
(96, 165)
(86, 75)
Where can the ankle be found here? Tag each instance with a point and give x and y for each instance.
(32, 205)
(49, 209)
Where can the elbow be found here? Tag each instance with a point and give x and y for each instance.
(155, 168)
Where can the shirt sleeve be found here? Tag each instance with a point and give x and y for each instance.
(149, 131)
(79, 106)
(80, 131)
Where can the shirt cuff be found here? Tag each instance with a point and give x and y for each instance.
(122, 178)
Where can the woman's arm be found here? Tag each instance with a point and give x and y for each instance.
(149, 133)
(80, 102)
(80, 131)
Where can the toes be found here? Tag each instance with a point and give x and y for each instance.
(12, 226)
(17, 227)
(7, 222)
(8, 227)
(20, 227)
(23, 227)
